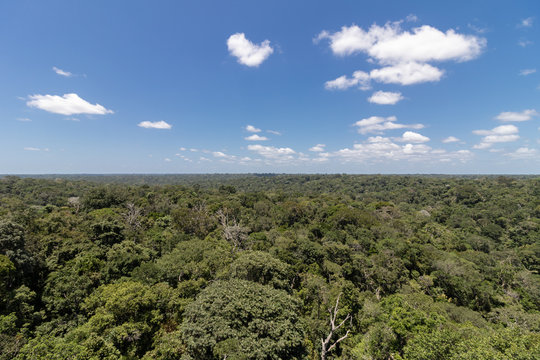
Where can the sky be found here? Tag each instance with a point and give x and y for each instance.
(270, 86)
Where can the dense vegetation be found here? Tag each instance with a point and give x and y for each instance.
(270, 267)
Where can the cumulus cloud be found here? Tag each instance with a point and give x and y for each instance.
(382, 148)
(525, 115)
(62, 72)
(378, 124)
(390, 44)
(403, 54)
(69, 104)
(256, 137)
(403, 73)
(523, 153)
(450, 139)
(246, 52)
(318, 148)
(252, 129)
(385, 97)
(407, 74)
(500, 134)
(526, 72)
(412, 137)
(271, 152)
(162, 125)
(359, 78)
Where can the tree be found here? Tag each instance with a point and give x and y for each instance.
(325, 342)
(239, 319)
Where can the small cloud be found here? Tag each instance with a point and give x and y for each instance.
(524, 43)
(528, 22)
(477, 29)
(246, 52)
(182, 149)
(385, 98)
(318, 148)
(271, 152)
(378, 124)
(450, 139)
(62, 72)
(412, 137)
(69, 104)
(155, 125)
(256, 137)
(526, 72)
(167, 160)
(24, 119)
(499, 134)
(29, 148)
(411, 18)
(509, 116)
(273, 132)
(252, 129)
(523, 153)
(359, 78)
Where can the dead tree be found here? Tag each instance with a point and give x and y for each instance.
(132, 216)
(326, 347)
(232, 231)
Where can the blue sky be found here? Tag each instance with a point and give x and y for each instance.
(269, 86)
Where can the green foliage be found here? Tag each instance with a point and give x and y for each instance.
(248, 266)
(243, 320)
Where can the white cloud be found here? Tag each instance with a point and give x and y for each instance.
(62, 72)
(29, 148)
(271, 152)
(524, 43)
(528, 22)
(403, 54)
(407, 74)
(377, 125)
(69, 104)
(525, 115)
(248, 53)
(162, 125)
(403, 73)
(360, 79)
(379, 148)
(24, 119)
(450, 139)
(526, 72)
(253, 129)
(385, 98)
(500, 134)
(273, 132)
(318, 148)
(256, 137)
(219, 154)
(167, 160)
(412, 137)
(391, 45)
(411, 18)
(523, 153)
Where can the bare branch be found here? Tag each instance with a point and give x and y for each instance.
(333, 328)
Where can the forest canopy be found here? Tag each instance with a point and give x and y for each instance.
(269, 267)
